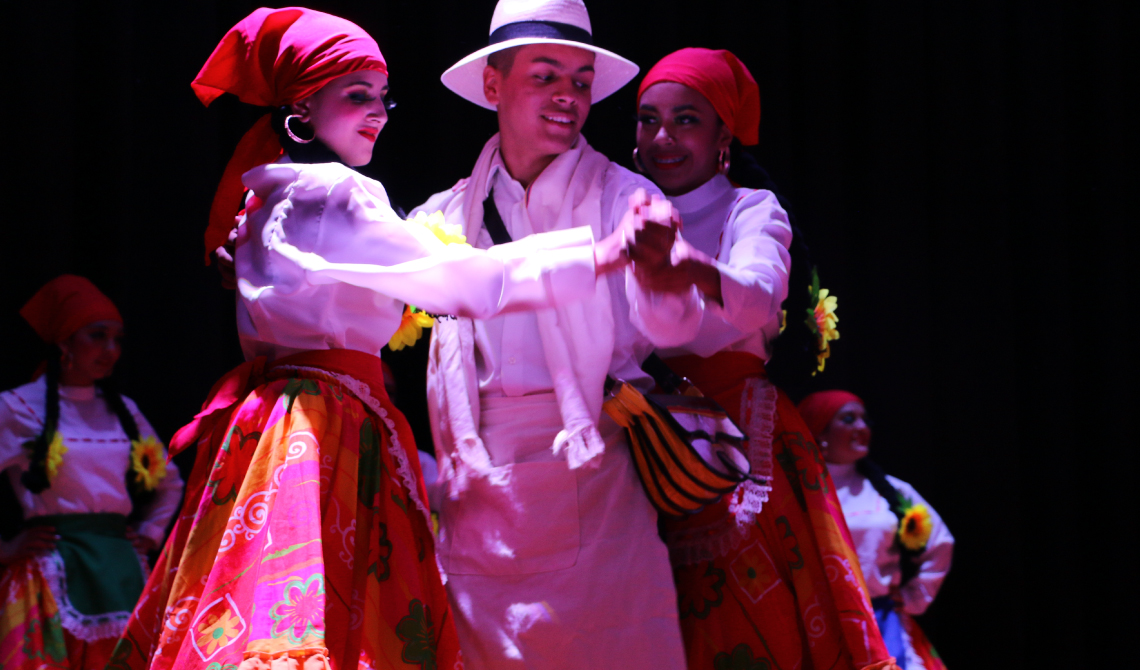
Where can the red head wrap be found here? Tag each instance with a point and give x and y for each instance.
(271, 58)
(722, 79)
(66, 304)
(818, 409)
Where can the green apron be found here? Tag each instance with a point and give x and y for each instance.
(102, 567)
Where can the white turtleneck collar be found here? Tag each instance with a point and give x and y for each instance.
(703, 195)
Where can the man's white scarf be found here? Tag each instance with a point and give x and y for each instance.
(577, 339)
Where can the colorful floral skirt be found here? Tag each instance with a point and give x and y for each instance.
(904, 637)
(781, 588)
(55, 617)
(303, 541)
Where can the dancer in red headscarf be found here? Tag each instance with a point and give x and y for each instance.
(92, 487)
(305, 540)
(767, 576)
(904, 547)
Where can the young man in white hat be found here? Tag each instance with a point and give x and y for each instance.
(548, 541)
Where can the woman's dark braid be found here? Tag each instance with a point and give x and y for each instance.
(35, 478)
(794, 351)
(140, 497)
(908, 558)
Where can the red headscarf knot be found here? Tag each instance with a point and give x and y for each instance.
(66, 304)
(271, 58)
(722, 79)
(818, 409)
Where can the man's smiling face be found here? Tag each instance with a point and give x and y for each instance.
(544, 96)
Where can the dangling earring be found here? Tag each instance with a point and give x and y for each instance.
(637, 162)
(289, 131)
(724, 160)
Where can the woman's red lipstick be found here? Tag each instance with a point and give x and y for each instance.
(369, 134)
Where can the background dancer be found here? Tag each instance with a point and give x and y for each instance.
(92, 486)
(305, 538)
(903, 545)
(767, 575)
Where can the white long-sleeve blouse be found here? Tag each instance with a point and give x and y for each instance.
(748, 234)
(349, 264)
(92, 477)
(873, 527)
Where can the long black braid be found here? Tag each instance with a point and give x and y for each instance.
(140, 497)
(794, 352)
(35, 478)
(908, 558)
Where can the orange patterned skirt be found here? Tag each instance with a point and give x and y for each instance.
(781, 587)
(304, 541)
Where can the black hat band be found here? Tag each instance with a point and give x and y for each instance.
(545, 29)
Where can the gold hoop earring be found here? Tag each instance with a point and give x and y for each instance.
(724, 160)
(289, 131)
(637, 162)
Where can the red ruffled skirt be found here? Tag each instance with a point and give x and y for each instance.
(780, 588)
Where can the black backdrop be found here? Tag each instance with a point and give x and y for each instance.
(959, 167)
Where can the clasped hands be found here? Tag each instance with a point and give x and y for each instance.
(662, 260)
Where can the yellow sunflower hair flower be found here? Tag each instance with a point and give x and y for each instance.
(411, 329)
(148, 462)
(437, 224)
(915, 527)
(55, 453)
(821, 320)
(825, 320)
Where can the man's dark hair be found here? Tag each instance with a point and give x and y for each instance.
(503, 60)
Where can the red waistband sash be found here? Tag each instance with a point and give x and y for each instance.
(240, 381)
(721, 376)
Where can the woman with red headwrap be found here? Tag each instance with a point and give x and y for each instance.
(305, 540)
(91, 484)
(903, 546)
(766, 577)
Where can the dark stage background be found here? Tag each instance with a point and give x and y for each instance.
(958, 166)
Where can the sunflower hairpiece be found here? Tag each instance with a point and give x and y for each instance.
(822, 319)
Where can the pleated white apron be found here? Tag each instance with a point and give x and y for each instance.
(555, 568)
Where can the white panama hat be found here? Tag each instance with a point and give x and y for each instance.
(519, 22)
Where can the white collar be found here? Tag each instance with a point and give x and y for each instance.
(500, 176)
(703, 194)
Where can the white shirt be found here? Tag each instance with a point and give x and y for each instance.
(873, 526)
(355, 263)
(515, 364)
(748, 234)
(92, 477)
(522, 371)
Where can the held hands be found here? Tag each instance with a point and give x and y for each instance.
(687, 266)
(35, 540)
(645, 235)
(663, 262)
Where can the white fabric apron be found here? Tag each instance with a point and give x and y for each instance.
(551, 567)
